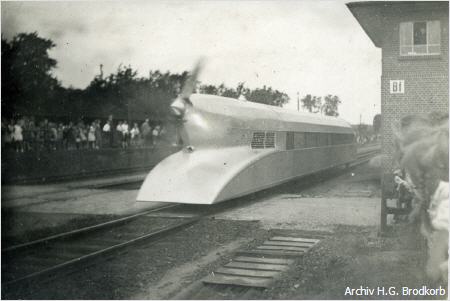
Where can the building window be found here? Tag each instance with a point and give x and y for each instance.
(420, 38)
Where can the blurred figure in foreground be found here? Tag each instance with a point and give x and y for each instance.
(422, 152)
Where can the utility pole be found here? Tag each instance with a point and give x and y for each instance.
(298, 102)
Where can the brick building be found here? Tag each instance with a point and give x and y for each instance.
(413, 37)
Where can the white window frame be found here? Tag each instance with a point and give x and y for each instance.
(413, 53)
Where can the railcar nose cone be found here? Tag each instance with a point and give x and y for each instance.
(178, 107)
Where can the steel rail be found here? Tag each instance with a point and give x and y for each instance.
(83, 230)
(84, 258)
(361, 156)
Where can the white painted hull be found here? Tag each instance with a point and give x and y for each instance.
(210, 176)
(227, 160)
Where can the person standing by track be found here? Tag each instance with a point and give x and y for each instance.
(17, 136)
(108, 133)
(146, 132)
(98, 134)
(125, 134)
(135, 135)
(91, 136)
(155, 134)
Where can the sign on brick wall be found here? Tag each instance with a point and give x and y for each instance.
(397, 86)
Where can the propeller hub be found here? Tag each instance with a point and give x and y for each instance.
(178, 107)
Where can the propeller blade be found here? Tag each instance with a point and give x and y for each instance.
(181, 103)
(189, 85)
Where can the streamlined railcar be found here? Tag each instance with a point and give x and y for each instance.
(232, 148)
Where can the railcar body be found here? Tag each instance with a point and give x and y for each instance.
(233, 148)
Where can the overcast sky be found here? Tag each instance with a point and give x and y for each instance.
(314, 47)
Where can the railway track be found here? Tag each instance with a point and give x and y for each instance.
(40, 259)
(37, 260)
(365, 155)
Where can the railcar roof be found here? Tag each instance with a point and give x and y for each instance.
(266, 111)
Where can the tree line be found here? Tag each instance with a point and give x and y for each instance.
(327, 106)
(30, 88)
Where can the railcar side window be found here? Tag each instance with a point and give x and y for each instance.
(342, 139)
(323, 139)
(311, 139)
(290, 140)
(336, 139)
(299, 140)
(350, 138)
(330, 139)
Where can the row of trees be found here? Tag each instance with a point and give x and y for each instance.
(327, 106)
(265, 95)
(30, 88)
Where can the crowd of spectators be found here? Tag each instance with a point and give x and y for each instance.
(29, 134)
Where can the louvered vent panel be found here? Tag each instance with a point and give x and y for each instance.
(258, 140)
(270, 140)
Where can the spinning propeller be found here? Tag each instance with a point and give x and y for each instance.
(180, 105)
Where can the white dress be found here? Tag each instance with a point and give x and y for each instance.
(17, 133)
(91, 134)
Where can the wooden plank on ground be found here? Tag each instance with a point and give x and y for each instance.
(277, 253)
(238, 280)
(171, 215)
(243, 272)
(305, 245)
(264, 260)
(256, 266)
(300, 249)
(299, 239)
